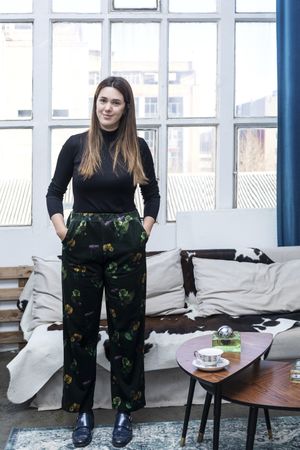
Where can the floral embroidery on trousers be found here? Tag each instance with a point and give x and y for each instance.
(104, 252)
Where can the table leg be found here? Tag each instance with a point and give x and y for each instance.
(217, 416)
(268, 423)
(204, 416)
(252, 419)
(187, 411)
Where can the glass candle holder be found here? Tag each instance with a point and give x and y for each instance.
(295, 372)
(229, 343)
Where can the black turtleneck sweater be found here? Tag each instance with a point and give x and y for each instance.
(106, 191)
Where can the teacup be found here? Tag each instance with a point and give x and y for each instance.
(208, 356)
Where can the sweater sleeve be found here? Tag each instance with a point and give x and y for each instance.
(62, 176)
(150, 191)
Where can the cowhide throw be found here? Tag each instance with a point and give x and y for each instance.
(185, 326)
(253, 255)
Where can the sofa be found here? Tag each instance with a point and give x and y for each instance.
(189, 293)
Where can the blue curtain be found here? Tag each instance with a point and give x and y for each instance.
(288, 156)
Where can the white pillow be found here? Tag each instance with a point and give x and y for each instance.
(165, 292)
(47, 295)
(240, 288)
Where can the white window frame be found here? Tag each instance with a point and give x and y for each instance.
(42, 122)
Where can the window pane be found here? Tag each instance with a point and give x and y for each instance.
(192, 70)
(135, 57)
(191, 169)
(135, 4)
(256, 72)
(16, 71)
(15, 6)
(76, 68)
(58, 138)
(192, 6)
(15, 177)
(256, 178)
(88, 6)
(255, 5)
(150, 137)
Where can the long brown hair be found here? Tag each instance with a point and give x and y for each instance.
(126, 143)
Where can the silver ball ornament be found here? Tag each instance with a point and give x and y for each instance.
(225, 331)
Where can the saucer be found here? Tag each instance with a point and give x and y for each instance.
(220, 365)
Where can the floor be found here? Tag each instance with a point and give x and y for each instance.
(12, 415)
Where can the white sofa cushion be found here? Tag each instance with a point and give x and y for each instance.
(47, 295)
(236, 288)
(165, 291)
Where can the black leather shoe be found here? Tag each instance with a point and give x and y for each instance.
(82, 434)
(122, 433)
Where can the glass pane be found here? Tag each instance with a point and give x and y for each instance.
(58, 138)
(88, 6)
(256, 71)
(191, 169)
(135, 57)
(202, 6)
(256, 178)
(192, 70)
(16, 6)
(135, 4)
(255, 5)
(15, 177)
(16, 71)
(150, 137)
(76, 68)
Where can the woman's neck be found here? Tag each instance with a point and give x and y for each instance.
(109, 136)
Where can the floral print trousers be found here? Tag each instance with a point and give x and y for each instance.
(104, 251)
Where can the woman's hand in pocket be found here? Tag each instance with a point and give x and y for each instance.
(148, 224)
(59, 225)
(62, 234)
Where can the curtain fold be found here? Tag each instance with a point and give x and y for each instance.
(288, 152)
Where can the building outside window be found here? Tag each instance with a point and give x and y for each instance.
(150, 106)
(175, 106)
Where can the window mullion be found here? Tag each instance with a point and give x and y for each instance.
(225, 145)
(106, 43)
(41, 111)
(163, 99)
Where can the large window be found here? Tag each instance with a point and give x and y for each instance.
(203, 75)
(15, 6)
(135, 57)
(76, 49)
(255, 103)
(15, 109)
(15, 177)
(16, 70)
(256, 162)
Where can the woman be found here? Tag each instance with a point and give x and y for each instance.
(104, 248)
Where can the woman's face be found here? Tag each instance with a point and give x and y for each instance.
(110, 107)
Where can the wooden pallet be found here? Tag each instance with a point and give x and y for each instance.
(10, 314)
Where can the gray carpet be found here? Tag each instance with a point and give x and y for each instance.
(165, 436)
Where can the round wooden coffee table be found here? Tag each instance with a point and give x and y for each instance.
(265, 384)
(253, 346)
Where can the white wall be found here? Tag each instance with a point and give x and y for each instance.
(227, 228)
(211, 229)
